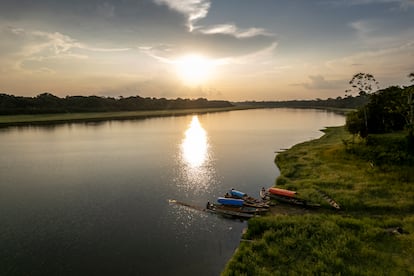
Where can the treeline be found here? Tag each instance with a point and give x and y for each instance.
(385, 124)
(348, 102)
(49, 103)
(388, 110)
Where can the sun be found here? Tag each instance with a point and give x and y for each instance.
(194, 69)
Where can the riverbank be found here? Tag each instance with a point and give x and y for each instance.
(45, 119)
(373, 233)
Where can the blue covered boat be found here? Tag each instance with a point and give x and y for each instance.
(247, 200)
(230, 201)
(237, 194)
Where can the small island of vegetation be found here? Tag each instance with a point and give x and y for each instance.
(366, 166)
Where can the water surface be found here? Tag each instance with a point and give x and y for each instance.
(92, 199)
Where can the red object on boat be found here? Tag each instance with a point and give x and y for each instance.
(282, 192)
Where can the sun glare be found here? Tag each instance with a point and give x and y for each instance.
(195, 144)
(194, 69)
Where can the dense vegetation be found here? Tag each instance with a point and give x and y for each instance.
(48, 103)
(367, 168)
(388, 110)
(348, 102)
(363, 238)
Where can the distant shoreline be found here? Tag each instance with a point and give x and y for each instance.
(85, 117)
(61, 118)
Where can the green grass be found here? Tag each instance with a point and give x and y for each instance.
(324, 245)
(352, 241)
(11, 120)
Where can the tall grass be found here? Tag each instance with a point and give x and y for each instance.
(356, 240)
(324, 245)
(351, 179)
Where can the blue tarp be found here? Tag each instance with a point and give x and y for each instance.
(236, 193)
(230, 201)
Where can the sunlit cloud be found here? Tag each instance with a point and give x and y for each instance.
(194, 10)
(389, 65)
(166, 55)
(26, 45)
(262, 55)
(319, 82)
(249, 50)
(231, 29)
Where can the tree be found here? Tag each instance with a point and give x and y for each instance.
(355, 123)
(387, 111)
(410, 92)
(364, 83)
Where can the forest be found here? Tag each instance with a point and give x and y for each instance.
(348, 102)
(48, 103)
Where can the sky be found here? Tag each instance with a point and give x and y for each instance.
(217, 49)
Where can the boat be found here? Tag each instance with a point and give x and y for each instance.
(231, 211)
(239, 203)
(230, 201)
(241, 212)
(277, 192)
(282, 192)
(286, 196)
(247, 200)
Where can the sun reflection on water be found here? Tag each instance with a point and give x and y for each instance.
(196, 169)
(195, 145)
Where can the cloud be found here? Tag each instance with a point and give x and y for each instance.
(404, 4)
(261, 55)
(160, 52)
(193, 9)
(106, 10)
(398, 54)
(161, 86)
(23, 47)
(320, 83)
(362, 27)
(168, 54)
(196, 10)
(231, 29)
(389, 65)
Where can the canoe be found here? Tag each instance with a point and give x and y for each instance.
(248, 200)
(236, 211)
(237, 194)
(230, 201)
(284, 197)
(228, 211)
(282, 192)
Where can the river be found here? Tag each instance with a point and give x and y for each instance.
(93, 198)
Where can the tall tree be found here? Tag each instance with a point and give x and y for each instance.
(363, 83)
(410, 92)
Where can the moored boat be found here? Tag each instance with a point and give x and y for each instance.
(227, 211)
(233, 211)
(282, 192)
(247, 200)
(286, 196)
(230, 201)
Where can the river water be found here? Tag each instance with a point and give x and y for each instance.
(93, 198)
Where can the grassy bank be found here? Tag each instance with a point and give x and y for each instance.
(14, 120)
(360, 239)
